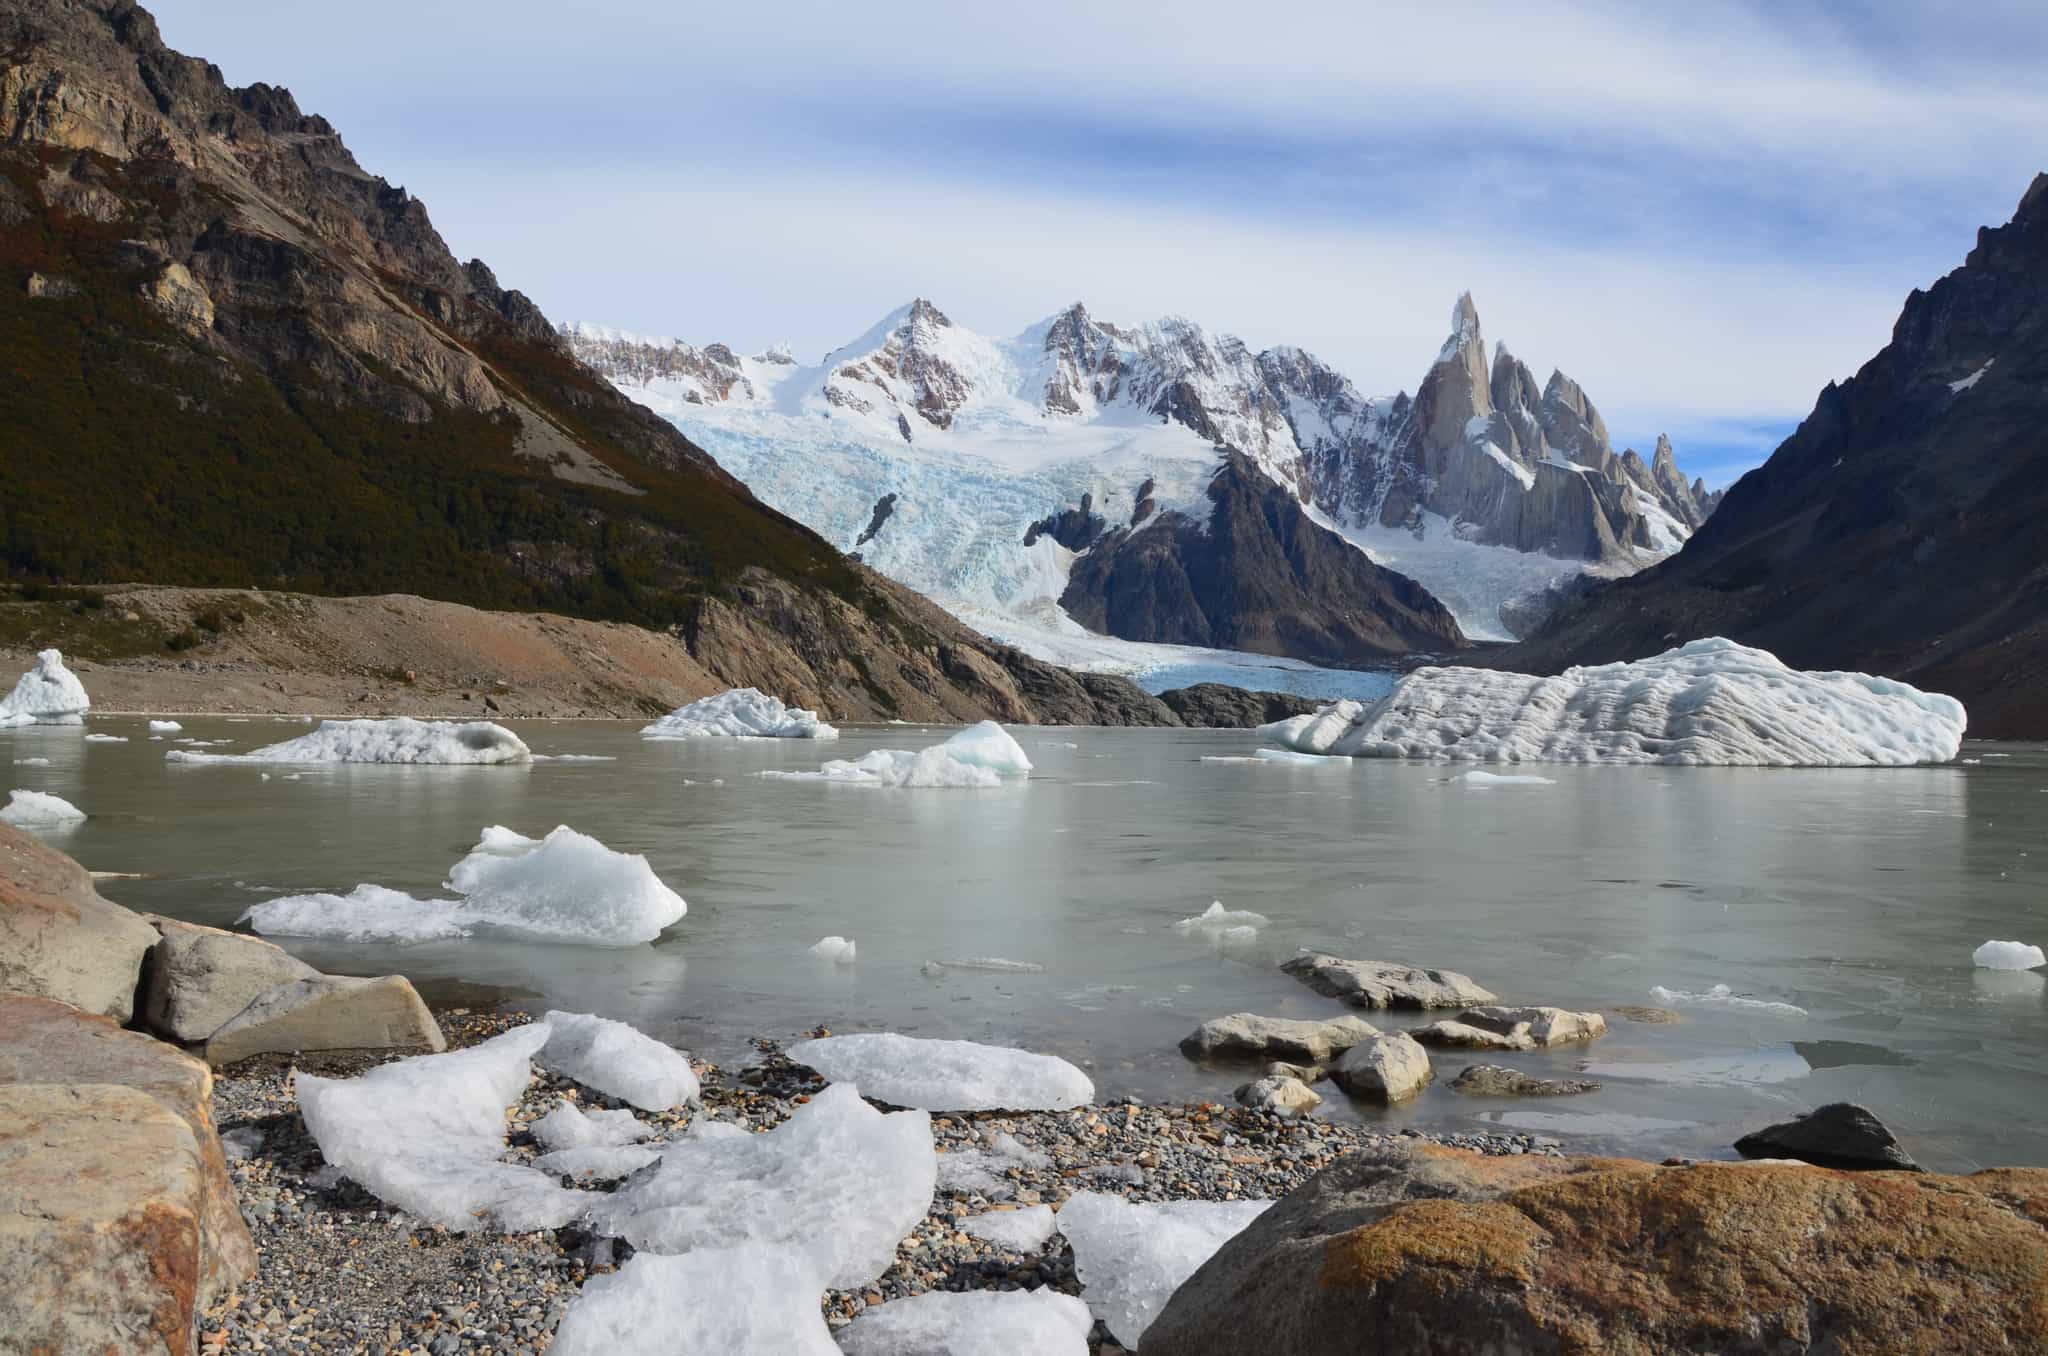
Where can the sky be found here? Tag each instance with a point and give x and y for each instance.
(1704, 213)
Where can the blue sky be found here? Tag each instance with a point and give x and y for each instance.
(1704, 214)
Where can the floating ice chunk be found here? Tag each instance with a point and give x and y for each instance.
(106, 739)
(402, 740)
(1057, 744)
(597, 1162)
(1131, 1258)
(1724, 997)
(38, 809)
(568, 1126)
(31, 762)
(979, 756)
(715, 1300)
(1293, 756)
(972, 1323)
(838, 950)
(1990, 956)
(425, 1134)
(744, 713)
(1476, 778)
(947, 1075)
(992, 963)
(165, 727)
(567, 888)
(48, 694)
(988, 745)
(1221, 925)
(839, 1182)
(1018, 1230)
(1709, 702)
(613, 1058)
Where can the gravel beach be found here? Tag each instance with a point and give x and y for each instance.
(338, 1272)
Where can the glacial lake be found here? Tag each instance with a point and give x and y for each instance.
(1854, 895)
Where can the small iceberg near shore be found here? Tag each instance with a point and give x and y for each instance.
(743, 713)
(402, 740)
(942, 1075)
(1708, 703)
(564, 888)
(982, 755)
(837, 950)
(1992, 955)
(41, 810)
(48, 694)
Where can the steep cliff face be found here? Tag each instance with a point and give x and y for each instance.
(236, 357)
(1898, 530)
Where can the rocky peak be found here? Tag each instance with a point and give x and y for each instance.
(1457, 390)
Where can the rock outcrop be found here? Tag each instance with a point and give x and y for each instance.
(58, 938)
(1281, 1096)
(1217, 706)
(1898, 530)
(1382, 984)
(1430, 1250)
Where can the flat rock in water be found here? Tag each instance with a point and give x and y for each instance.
(46, 1042)
(1247, 1035)
(58, 938)
(328, 1012)
(1418, 1250)
(1838, 1135)
(1389, 1068)
(1385, 984)
(196, 978)
(1505, 1028)
(1492, 1080)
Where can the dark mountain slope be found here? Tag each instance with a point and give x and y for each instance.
(1900, 529)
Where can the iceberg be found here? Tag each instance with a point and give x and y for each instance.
(38, 809)
(165, 727)
(614, 1059)
(402, 740)
(1223, 926)
(972, 1323)
(838, 950)
(566, 888)
(1710, 702)
(747, 1298)
(839, 1183)
(1131, 1257)
(1990, 956)
(48, 694)
(939, 1075)
(106, 739)
(979, 756)
(1721, 996)
(743, 713)
(425, 1134)
(568, 1126)
(1018, 1230)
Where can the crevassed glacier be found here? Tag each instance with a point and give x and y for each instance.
(48, 694)
(744, 712)
(402, 740)
(1710, 702)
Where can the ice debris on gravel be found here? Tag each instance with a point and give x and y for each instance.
(38, 809)
(972, 1323)
(564, 888)
(1131, 1257)
(838, 950)
(983, 1172)
(746, 1298)
(942, 1075)
(568, 1126)
(979, 756)
(401, 740)
(48, 694)
(617, 1060)
(1022, 1230)
(1994, 955)
(1710, 702)
(743, 713)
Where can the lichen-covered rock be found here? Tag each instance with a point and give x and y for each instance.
(1385, 984)
(196, 977)
(1416, 1250)
(329, 1012)
(58, 938)
(101, 1241)
(1244, 1035)
(1388, 1068)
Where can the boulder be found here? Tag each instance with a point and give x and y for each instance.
(1420, 1249)
(1389, 1068)
(1492, 1080)
(58, 938)
(1838, 1135)
(1464, 1036)
(1283, 1096)
(196, 978)
(1307, 1073)
(1385, 984)
(47, 1042)
(101, 1232)
(1505, 1028)
(328, 1012)
(1245, 1035)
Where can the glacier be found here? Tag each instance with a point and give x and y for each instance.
(401, 740)
(1710, 703)
(48, 694)
(745, 713)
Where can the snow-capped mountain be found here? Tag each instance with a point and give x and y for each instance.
(935, 451)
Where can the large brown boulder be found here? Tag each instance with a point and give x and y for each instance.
(101, 1236)
(51, 1044)
(58, 938)
(1430, 1250)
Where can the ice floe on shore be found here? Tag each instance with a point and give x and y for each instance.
(1708, 702)
(943, 1075)
(748, 1297)
(744, 713)
(618, 1061)
(981, 755)
(1132, 1257)
(1993, 955)
(565, 888)
(1721, 996)
(48, 694)
(972, 1323)
(38, 810)
(401, 740)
